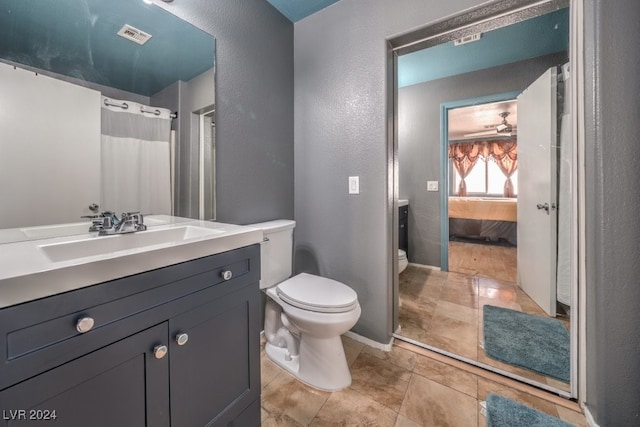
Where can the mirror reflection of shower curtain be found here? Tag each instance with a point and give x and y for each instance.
(135, 159)
(564, 196)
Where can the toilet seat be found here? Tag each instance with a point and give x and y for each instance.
(402, 254)
(315, 293)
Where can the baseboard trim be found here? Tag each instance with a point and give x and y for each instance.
(587, 414)
(369, 342)
(500, 379)
(430, 267)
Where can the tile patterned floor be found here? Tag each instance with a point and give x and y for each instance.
(399, 388)
(444, 309)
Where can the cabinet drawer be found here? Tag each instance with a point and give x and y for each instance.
(42, 334)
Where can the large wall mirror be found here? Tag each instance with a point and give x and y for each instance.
(106, 105)
(484, 112)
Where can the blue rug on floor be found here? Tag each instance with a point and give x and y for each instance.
(537, 343)
(503, 412)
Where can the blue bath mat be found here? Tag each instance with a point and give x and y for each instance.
(503, 412)
(536, 343)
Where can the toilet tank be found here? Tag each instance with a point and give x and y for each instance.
(276, 251)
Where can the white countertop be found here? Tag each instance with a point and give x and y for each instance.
(27, 273)
(403, 202)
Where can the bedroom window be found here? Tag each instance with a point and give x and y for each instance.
(484, 168)
(484, 179)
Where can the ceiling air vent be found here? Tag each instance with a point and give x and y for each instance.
(134, 34)
(467, 39)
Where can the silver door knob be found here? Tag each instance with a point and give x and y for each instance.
(84, 324)
(227, 274)
(182, 339)
(160, 351)
(544, 207)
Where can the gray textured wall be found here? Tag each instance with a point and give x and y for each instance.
(613, 249)
(419, 140)
(254, 106)
(340, 131)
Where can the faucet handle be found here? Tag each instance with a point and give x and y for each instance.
(135, 217)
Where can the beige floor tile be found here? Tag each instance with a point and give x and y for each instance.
(402, 421)
(499, 302)
(457, 312)
(269, 370)
(447, 375)
(493, 282)
(424, 289)
(279, 420)
(454, 329)
(350, 408)
(432, 404)
(287, 396)
(528, 305)
(398, 356)
(459, 296)
(379, 380)
(352, 349)
(468, 349)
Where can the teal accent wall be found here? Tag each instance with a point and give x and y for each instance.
(296, 10)
(540, 36)
(78, 38)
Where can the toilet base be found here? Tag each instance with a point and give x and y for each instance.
(321, 364)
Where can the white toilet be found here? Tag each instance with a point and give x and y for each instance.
(305, 314)
(403, 262)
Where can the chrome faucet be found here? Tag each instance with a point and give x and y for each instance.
(130, 222)
(107, 223)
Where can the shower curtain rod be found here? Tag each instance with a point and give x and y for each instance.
(125, 106)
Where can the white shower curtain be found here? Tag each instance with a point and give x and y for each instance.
(563, 288)
(135, 158)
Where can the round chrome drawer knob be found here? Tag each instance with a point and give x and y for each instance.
(182, 339)
(84, 324)
(160, 351)
(227, 274)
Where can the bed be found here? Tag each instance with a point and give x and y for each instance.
(484, 218)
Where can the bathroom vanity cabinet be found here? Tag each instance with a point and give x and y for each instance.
(403, 228)
(175, 346)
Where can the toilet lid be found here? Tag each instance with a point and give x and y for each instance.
(401, 254)
(315, 293)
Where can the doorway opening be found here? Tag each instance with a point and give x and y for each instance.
(455, 324)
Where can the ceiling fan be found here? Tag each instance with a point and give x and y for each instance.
(503, 128)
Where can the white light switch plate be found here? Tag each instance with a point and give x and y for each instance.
(432, 185)
(354, 185)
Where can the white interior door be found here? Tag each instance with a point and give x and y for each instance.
(537, 191)
(49, 149)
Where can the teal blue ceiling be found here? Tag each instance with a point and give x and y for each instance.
(295, 10)
(535, 37)
(78, 38)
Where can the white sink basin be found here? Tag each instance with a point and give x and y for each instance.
(46, 231)
(103, 245)
(60, 230)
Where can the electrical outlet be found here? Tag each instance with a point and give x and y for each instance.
(432, 185)
(354, 185)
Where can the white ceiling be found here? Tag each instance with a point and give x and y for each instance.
(478, 118)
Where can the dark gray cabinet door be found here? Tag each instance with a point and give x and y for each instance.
(219, 362)
(122, 384)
